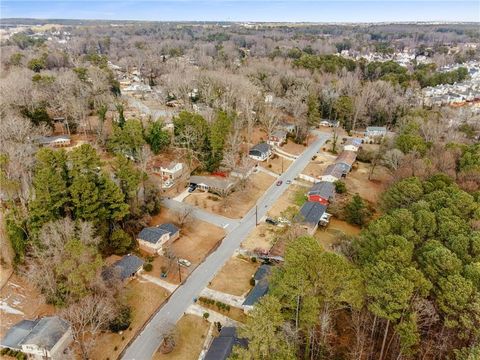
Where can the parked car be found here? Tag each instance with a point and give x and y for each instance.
(289, 182)
(184, 262)
(279, 182)
(192, 188)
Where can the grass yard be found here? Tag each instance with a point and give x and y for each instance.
(357, 181)
(196, 241)
(278, 164)
(335, 229)
(260, 238)
(144, 298)
(191, 333)
(238, 203)
(234, 277)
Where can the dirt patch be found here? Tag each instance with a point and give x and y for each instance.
(238, 203)
(19, 300)
(144, 298)
(234, 277)
(191, 332)
(357, 181)
(330, 235)
(196, 241)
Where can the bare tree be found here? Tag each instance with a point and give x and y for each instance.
(184, 216)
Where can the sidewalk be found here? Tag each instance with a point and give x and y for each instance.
(214, 316)
(164, 284)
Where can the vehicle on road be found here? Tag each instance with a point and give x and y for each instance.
(289, 182)
(279, 182)
(192, 188)
(184, 262)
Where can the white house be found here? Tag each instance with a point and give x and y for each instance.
(375, 131)
(332, 173)
(45, 338)
(260, 152)
(152, 239)
(54, 141)
(168, 171)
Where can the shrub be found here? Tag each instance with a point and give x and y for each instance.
(122, 320)
(340, 187)
(206, 315)
(253, 259)
(147, 267)
(252, 281)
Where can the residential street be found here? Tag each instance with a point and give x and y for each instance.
(149, 339)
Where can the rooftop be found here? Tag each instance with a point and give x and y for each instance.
(261, 285)
(125, 267)
(311, 212)
(324, 189)
(213, 182)
(346, 157)
(222, 345)
(261, 147)
(152, 234)
(334, 170)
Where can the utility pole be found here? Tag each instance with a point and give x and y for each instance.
(256, 214)
(179, 272)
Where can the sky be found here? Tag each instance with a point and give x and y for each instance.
(246, 10)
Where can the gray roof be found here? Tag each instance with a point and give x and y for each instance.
(172, 229)
(223, 344)
(261, 285)
(354, 141)
(324, 189)
(213, 182)
(336, 170)
(279, 133)
(17, 333)
(152, 234)
(126, 267)
(377, 128)
(44, 333)
(261, 147)
(49, 139)
(311, 212)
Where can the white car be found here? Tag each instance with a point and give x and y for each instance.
(184, 262)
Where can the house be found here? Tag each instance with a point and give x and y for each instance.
(322, 192)
(169, 171)
(289, 128)
(260, 288)
(213, 184)
(54, 141)
(311, 215)
(346, 160)
(45, 338)
(278, 137)
(329, 123)
(332, 173)
(221, 346)
(152, 239)
(375, 131)
(125, 268)
(352, 144)
(260, 152)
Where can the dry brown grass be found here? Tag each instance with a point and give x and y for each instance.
(278, 165)
(238, 203)
(191, 331)
(357, 181)
(144, 298)
(234, 277)
(336, 228)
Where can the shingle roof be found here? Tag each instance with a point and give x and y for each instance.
(346, 157)
(17, 333)
(324, 189)
(172, 229)
(50, 139)
(151, 234)
(213, 182)
(279, 133)
(261, 147)
(44, 333)
(376, 128)
(125, 267)
(222, 345)
(311, 213)
(334, 170)
(261, 285)
(354, 141)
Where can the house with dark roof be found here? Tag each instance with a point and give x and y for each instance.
(352, 144)
(221, 346)
(311, 215)
(125, 268)
(322, 192)
(152, 239)
(260, 152)
(346, 160)
(45, 338)
(260, 288)
(332, 173)
(277, 137)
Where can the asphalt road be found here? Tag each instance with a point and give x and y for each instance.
(147, 342)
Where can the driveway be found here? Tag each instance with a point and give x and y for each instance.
(147, 342)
